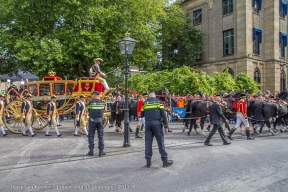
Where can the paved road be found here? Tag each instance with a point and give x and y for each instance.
(59, 164)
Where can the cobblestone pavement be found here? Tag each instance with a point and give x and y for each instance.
(60, 164)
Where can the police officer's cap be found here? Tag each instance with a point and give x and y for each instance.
(28, 95)
(1, 95)
(53, 96)
(151, 92)
(242, 95)
(272, 97)
(98, 59)
(218, 95)
(96, 93)
(82, 96)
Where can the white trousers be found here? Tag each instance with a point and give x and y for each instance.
(240, 119)
(141, 121)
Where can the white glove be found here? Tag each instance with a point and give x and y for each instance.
(8, 115)
(23, 117)
(77, 119)
(49, 120)
(87, 116)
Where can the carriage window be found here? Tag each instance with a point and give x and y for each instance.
(44, 90)
(59, 89)
(70, 88)
(33, 90)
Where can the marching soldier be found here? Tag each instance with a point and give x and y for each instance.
(154, 112)
(80, 114)
(96, 72)
(241, 117)
(52, 114)
(96, 111)
(141, 121)
(2, 112)
(27, 112)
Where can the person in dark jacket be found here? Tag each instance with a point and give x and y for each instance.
(216, 118)
(96, 111)
(154, 114)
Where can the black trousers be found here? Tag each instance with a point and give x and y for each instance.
(97, 124)
(154, 128)
(220, 130)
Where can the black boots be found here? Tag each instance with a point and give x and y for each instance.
(167, 163)
(137, 133)
(90, 152)
(248, 135)
(148, 161)
(230, 134)
(101, 152)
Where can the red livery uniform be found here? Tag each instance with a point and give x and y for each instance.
(241, 118)
(140, 105)
(242, 108)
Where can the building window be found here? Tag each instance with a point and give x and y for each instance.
(283, 43)
(230, 71)
(257, 75)
(228, 42)
(197, 17)
(283, 8)
(283, 81)
(257, 5)
(257, 39)
(227, 6)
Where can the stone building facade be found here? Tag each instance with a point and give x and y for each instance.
(248, 36)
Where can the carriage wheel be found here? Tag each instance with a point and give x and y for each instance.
(15, 122)
(39, 122)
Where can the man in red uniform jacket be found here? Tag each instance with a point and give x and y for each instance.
(241, 117)
(140, 119)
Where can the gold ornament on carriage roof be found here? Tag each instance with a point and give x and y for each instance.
(51, 73)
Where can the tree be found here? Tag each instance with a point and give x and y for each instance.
(65, 36)
(180, 42)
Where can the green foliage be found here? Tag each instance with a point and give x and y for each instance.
(65, 36)
(244, 82)
(186, 80)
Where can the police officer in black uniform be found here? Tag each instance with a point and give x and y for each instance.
(154, 114)
(96, 111)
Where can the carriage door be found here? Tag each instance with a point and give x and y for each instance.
(283, 81)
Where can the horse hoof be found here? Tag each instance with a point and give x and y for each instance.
(183, 129)
(188, 134)
(197, 132)
(260, 135)
(273, 134)
(275, 130)
(281, 130)
(286, 130)
(116, 130)
(242, 134)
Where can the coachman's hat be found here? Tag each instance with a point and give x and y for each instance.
(98, 59)
(28, 95)
(2, 95)
(53, 96)
(82, 96)
(242, 95)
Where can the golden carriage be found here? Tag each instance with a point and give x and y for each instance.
(67, 92)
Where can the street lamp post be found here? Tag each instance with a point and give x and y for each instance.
(117, 73)
(126, 46)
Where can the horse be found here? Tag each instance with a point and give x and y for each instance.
(283, 95)
(118, 115)
(266, 111)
